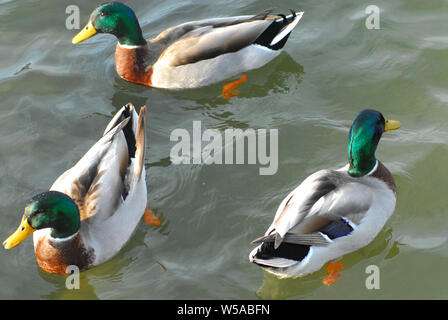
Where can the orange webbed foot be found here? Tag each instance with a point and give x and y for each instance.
(150, 218)
(230, 90)
(333, 269)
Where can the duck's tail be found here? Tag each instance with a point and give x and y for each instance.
(276, 35)
(135, 135)
(286, 255)
(130, 130)
(294, 247)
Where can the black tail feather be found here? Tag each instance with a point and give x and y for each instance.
(285, 250)
(273, 30)
(129, 133)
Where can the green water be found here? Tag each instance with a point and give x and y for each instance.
(56, 100)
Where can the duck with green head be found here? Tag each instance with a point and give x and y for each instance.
(92, 209)
(192, 54)
(332, 212)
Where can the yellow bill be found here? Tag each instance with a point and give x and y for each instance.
(392, 125)
(22, 232)
(87, 32)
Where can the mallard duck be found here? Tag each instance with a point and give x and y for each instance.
(92, 209)
(192, 54)
(332, 212)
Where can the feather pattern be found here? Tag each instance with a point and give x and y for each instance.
(201, 40)
(93, 181)
(319, 196)
(314, 238)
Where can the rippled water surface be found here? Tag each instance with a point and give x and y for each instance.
(56, 100)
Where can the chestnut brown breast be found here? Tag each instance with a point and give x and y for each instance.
(131, 64)
(384, 174)
(54, 256)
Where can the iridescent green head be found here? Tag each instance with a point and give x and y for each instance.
(50, 209)
(365, 133)
(114, 18)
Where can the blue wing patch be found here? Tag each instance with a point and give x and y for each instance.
(336, 229)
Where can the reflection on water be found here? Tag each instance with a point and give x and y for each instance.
(165, 162)
(86, 291)
(112, 271)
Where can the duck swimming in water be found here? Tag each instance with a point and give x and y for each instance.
(92, 209)
(193, 54)
(332, 212)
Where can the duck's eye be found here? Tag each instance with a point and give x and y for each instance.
(103, 14)
(379, 122)
(23, 228)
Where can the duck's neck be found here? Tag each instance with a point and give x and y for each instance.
(67, 222)
(130, 34)
(63, 233)
(361, 159)
(362, 167)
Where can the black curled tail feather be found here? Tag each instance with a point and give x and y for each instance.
(125, 113)
(276, 27)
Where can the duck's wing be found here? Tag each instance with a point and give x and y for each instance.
(200, 40)
(326, 199)
(175, 33)
(98, 182)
